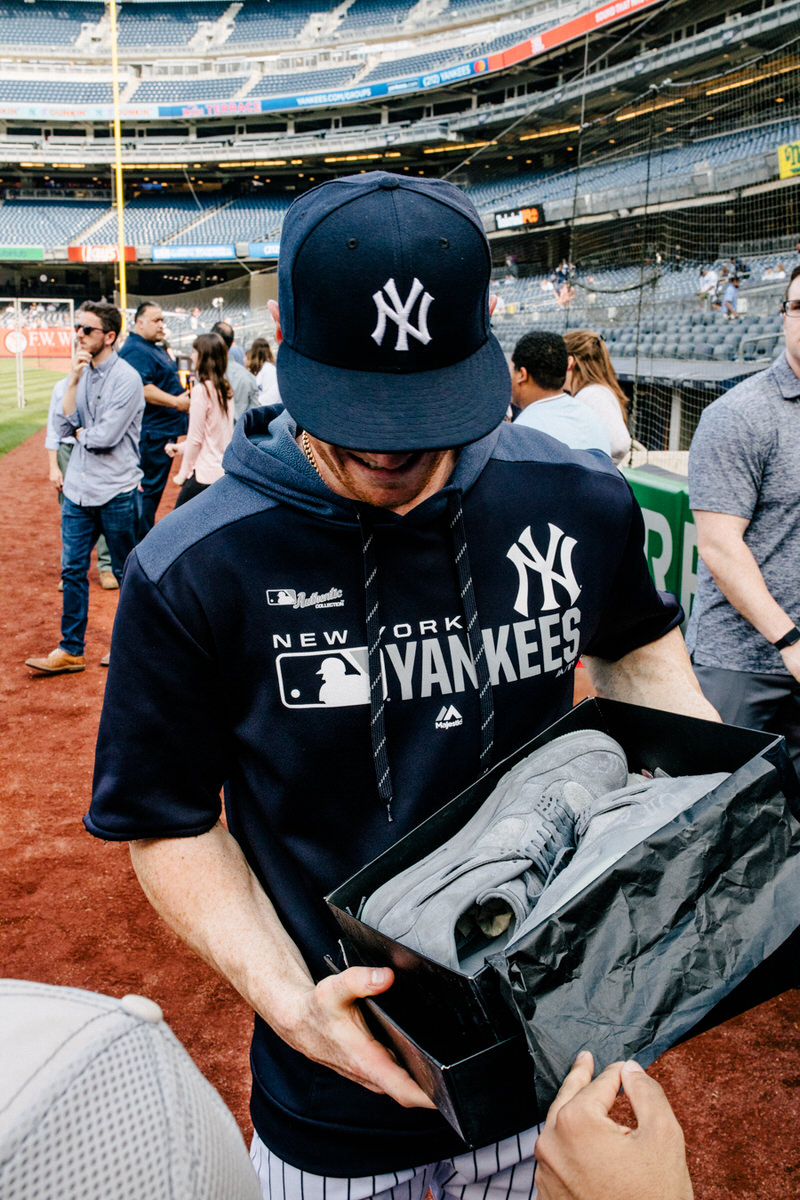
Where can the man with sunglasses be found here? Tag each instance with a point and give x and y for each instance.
(102, 409)
(744, 489)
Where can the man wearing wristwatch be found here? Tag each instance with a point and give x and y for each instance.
(744, 489)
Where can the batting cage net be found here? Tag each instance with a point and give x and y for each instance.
(650, 212)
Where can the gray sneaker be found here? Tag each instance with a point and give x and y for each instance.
(477, 889)
(622, 820)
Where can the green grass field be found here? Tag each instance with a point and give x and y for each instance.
(16, 424)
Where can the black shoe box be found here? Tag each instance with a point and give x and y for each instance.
(692, 926)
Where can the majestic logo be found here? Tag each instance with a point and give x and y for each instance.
(526, 557)
(448, 718)
(400, 314)
(289, 598)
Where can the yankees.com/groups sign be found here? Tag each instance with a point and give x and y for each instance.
(36, 343)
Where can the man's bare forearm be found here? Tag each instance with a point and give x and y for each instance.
(721, 545)
(154, 395)
(658, 675)
(205, 890)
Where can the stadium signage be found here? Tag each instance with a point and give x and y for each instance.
(36, 343)
(518, 218)
(193, 253)
(99, 254)
(263, 249)
(20, 253)
(789, 160)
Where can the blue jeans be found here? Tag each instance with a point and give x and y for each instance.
(81, 526)
(63, 455)
(156, 466)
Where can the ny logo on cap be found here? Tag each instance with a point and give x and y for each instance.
(400, 314)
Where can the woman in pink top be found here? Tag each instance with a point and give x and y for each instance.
(210, 419)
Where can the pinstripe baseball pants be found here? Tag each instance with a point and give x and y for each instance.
(503, 1171)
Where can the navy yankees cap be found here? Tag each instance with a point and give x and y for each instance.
(384, 304)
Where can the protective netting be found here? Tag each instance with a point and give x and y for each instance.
(242, 302)
(657, 207)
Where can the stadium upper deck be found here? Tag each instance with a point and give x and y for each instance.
(229, 110)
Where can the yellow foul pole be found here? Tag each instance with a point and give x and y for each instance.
(123, 285)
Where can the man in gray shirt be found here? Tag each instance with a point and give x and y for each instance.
(102, 409)
(744, 489)
(243, 384)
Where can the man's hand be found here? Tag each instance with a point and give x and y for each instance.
(80, 361)
(584, 1155)
(156, 395)
(205, 889)
(56, 478)
(325, 1023)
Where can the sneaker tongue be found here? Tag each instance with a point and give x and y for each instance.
(578, 798)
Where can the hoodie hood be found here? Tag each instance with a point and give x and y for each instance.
(264, 455)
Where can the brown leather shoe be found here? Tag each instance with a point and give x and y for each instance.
(58, 662)
(105, 660)
(108, 581)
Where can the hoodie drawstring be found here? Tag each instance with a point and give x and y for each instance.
(474, 636)
(377, 721)
(374, 660)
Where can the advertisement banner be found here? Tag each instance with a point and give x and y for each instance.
(99, 254)
(789, 160)
(21, 253)
(193, 253)
(520, 218)
(263, 249)
(55, 342)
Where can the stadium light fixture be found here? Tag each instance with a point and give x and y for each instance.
(450, 148)
(648, 108)
(337, 158)
(552, 132)
(740, 83)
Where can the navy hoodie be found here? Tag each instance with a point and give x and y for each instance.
(240, 659)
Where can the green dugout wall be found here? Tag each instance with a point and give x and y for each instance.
(670, 533)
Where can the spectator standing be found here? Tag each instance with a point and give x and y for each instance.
(58, 456)
(730, 299)
(592, 380)
(210, 420)
(744, 489)
(539, 365)
(311, 548)
(102, 409)
(226, 332)
(260, 363)
(707, 288)
(243, 385)
(167, 402)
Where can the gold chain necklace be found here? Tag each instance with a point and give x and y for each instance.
(309, 453)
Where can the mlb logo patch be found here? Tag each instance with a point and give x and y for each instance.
(324, 678)
(281, 596)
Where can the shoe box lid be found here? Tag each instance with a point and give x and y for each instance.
(666, 938)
